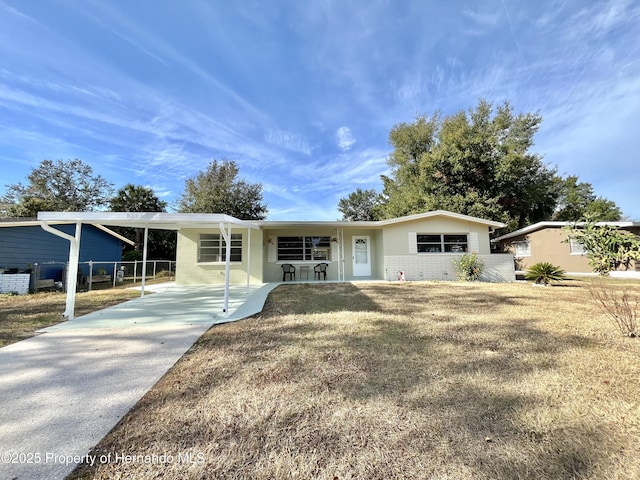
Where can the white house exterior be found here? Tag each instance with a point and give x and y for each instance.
(422, 246)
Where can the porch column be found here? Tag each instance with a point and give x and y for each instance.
(248, 259)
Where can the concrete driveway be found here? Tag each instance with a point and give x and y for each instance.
(62, 391)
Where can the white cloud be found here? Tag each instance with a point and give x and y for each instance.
(345, 138)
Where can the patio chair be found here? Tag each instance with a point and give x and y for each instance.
(288, 269)
(320, 269)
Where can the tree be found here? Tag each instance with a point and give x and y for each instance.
(217, 190)
(607, 247)
(361, 205)
(577, 200)
(476, 163)
(136, 198)
(66, 186)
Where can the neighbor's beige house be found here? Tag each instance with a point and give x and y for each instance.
(422, 246)
(550, 242)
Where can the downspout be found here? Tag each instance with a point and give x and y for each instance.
(144, 260)
(227, 242)
(72, 273)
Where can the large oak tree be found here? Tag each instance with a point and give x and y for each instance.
(477, 163)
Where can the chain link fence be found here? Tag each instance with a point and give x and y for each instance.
(53, 275)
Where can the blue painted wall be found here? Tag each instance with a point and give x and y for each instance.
(21, 246)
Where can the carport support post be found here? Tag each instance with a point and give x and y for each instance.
(144, 259)
(227, 243)
(72, 274)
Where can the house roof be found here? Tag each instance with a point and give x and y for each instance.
(157, 220)
(380, 223)
(176, 221)
(36, 223)
(541, 225)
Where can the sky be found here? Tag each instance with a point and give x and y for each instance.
(302, 94)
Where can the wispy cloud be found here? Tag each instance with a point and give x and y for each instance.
(287, 140)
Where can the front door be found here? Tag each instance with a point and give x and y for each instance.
(361, 257)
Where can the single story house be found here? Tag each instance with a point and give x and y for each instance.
(23, 244)
(422, 246)
(219, 249)
(550, 242)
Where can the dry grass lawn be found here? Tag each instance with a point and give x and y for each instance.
(395, 381)
(22, 315)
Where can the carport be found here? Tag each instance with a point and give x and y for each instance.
(146, 220)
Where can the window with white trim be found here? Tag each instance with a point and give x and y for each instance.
(522, 248)
(212, 248)
(438, 243)
(304, 248)
(577, 248)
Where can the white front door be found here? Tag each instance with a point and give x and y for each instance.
(361, 257)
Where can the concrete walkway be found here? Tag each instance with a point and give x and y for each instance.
(62, 391)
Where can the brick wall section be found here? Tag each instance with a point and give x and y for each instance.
(14, 283)
(498, 267)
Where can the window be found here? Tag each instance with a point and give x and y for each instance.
(438, 243)
(212, 248)
(522, 249)
(303, 248)
(577, 248)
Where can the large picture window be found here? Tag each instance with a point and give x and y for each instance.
(212, 248)
(304, 248)
(439, 243)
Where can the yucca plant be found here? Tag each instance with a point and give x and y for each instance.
(545, 273)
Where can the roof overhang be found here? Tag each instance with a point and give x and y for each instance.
(382, 223)
(555, 224)
(153, 220)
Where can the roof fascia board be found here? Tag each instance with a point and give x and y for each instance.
(554, 224)
(160, 220)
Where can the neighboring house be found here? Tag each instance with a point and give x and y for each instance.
(422, 246)
(550, 242)
(23, 243)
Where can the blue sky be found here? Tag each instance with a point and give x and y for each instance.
(302, 95)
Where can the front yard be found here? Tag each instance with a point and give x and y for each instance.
(22, 315)
(395, 381)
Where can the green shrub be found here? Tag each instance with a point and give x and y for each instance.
(469, 267)
(545, 273)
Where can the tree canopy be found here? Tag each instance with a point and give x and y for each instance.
(361, 205)
(477, 163)
(61, 185)
(218, 190)
(577, 202)
(136, 198)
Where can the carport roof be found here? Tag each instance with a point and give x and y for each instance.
(154, 220)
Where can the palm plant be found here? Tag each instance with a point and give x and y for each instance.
(545, 273)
